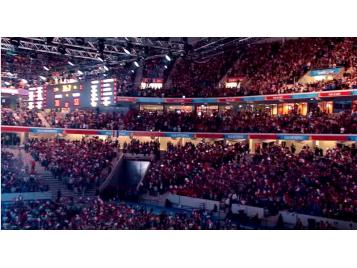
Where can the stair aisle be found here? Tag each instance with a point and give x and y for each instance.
(55, 185)
(43, 119)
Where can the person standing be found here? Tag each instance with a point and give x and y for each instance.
(33, 166)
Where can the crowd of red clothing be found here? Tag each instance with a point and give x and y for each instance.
(77, 163)
(95, 214)
(265, 68)
(154, 68)
(191, 78)
(240, 121)
(276, 67)
(18, 178)
(275, 178)
(85, 119)
(20, 117)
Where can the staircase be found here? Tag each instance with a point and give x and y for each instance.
(229, 69)
(43, 119)
(138, 77)
(168, 82)
(55, 185)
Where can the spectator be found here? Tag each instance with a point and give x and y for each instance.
(16, 178)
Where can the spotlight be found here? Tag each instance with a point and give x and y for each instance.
(47, 69)
(165, 66)
(42, 78)
(167, 57)
(126, 51)
(136, 64)
(70, 63)
(15, 41)
(132, 71)
(80, 72)
(106, 68)
(100, 59)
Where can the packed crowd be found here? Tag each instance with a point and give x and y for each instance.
(192, 78)
(78, 164)
(95, 214)
(239, 121)
(267, 68)
(146, 148)
(276, 67)
(275, 178)
(154, 68)
(20, 117)
(18, 178)
(85, 119)
(242, 122)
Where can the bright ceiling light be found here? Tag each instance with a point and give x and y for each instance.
(136, 64)
(70, 63)
(106, 68)
(167, 57)
(80, 72)
(126, 51)
(47, 69)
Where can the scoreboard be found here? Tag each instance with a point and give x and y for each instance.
(64, 95)
(102, 92)
(36, 98)
(86, 94)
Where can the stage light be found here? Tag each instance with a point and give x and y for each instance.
(126, 51)
(70, 63)
(47, 69)
(167, 57)
(42, 78)
(80, 72)
(132, 71)
(100, 59)
(136, 64)
(165, 66)
(15, 41)
(106, 68)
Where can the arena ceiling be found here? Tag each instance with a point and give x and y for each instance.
(119, 53)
